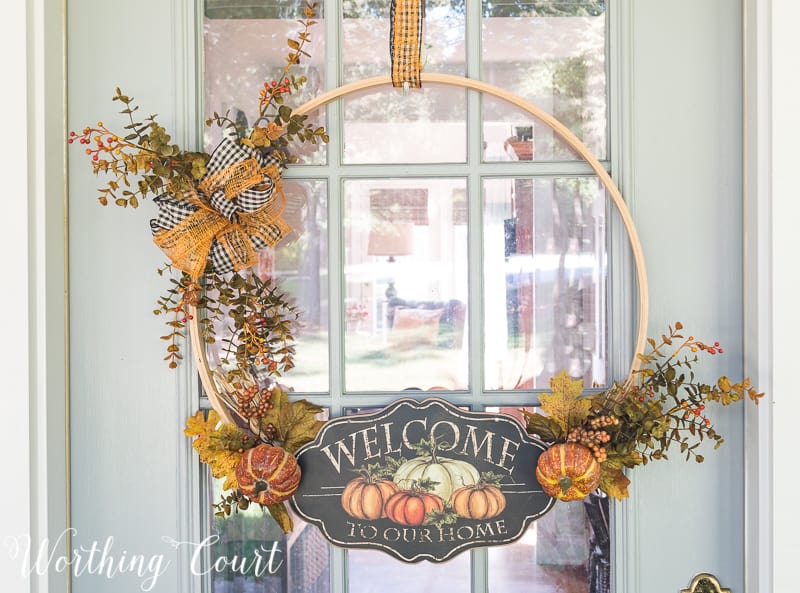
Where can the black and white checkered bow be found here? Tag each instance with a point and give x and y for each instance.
(172, 211)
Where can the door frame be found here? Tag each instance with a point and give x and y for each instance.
(40, 406)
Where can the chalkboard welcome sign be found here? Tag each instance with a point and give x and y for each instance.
(421, 480)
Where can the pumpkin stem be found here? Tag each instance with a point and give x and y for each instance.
(260, 486)
(434, 448)
(430, 448)
(566, 483)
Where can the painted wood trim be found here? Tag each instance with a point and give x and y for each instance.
(18, 435)
(756, 158)
(192, 508)
(35, 327)
(778, 316)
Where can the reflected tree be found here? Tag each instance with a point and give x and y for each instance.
(521, 8)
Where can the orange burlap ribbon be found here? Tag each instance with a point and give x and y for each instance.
(406, 42)
(188, 243)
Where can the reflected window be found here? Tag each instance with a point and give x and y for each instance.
(406, 274)
(546, 273)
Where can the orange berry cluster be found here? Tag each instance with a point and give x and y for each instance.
(603, 421)
(181, 310)
(697, 411)
(273, 88)
(105, 141)
(593, 439)
(190, 297)
(254, 403)
(270, 432)
(712, 349)
(283, 88)
(255, 327)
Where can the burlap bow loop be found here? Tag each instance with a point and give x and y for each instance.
(233, 212)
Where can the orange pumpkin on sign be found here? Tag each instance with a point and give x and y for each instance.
(410, 507)
(478, 501)
(364, 497)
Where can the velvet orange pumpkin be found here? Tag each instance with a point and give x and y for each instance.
(409, 507)
(568, 471)
(478, 501)
(268, 474)
(365, 497)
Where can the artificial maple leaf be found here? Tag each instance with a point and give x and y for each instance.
(543, 427)
(298, 424)
(260, 137)
(223, 463)
(232, 438)
(199, 426)
(565, 405)
(217, 446)
(618, 461)
(231, 483)
(613, 482)
(281, 516)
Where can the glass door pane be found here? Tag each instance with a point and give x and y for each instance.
(365, 38)
(566, 550)
(545, 273)
(376, 572)
(406, 284)
(554, 55)
(423, 126)
(250, 554)
(244, 47)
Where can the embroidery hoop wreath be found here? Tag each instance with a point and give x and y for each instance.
(657, 404)
(209, 378)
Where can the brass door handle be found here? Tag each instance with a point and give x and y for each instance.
(705, 583)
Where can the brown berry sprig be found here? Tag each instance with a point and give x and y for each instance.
(296, 51)
(255, 332)
(592, 439)
(600, 422)
(269, 432)
(102, 139)
(254, 403)
(107, 151)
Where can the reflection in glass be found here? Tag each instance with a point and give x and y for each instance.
(298, 266)
(512, 135)
(365, 35)
(427, 125)
(300, 562)
(241, 54)
(562, 68)
(568, 549)
(405, 284)
(545, 273)
(376, 572)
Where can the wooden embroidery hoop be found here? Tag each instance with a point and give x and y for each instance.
(198, 345)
